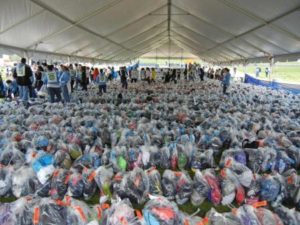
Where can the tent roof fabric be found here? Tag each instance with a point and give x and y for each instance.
(122, 30)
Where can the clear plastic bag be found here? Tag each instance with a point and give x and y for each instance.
(184, 186)
(5, 181)
(7, 215)
(11, 156)
(120, 212)
(90, 186)
(24, 182)
(269, 188)
(59, 183)
(169, 184)
(215, 218)
(243, 174)
(155, 187)
(47, 212)
(246, 214)
(203, 160)
(77, 212)
(43, 166)
(267, 217)
(261, 159)
(160, 211)
(135, 185)
(200, 189)
(63, 159)
(76, 185)
(287, 216)
(228, 186)
(214, 195)
(103, 179)
(237, 154)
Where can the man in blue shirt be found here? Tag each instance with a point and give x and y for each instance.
(226, 80)
(64, 80)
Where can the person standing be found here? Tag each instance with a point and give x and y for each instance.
(123, 75)
(95, 74)
(173, 76)
(148, 75)
(91, 73)
(153, 75)
(257, 71)
(134, 75)
(38, 78)
(201, 73)
(226, 80)
(78, 75)
(101, 81)
(23, 75)
(51, 79)
(83, 78)
(2, 88)
(64, 80)
(267, 71)
(143, 74)
(72, 77)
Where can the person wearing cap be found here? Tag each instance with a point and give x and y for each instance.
(51, 79)
(23, 74)
(64, 80)
(11, 88)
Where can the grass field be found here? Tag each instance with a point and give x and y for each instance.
(284, 72)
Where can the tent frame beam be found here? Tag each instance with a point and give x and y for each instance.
(204, 37)
(157, 26)
(76, 23)
(22, 21)
(26, 51)
(133, 22)
(234, 37)
(259, 19)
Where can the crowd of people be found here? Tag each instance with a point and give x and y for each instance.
(59, 81)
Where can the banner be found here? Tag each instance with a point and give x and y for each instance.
(293, 88)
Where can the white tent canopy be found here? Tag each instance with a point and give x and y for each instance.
(122, 30)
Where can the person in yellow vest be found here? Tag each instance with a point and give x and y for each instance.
(153, 75)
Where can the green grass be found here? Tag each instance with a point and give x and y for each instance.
(7, 199)
(284, 72)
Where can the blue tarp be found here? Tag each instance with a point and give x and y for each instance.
(295, 89)
(131, 67)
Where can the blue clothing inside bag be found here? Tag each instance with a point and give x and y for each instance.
(43, 161)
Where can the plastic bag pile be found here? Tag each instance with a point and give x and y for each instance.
(186, 142)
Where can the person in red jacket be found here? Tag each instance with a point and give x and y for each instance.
(95, 74)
